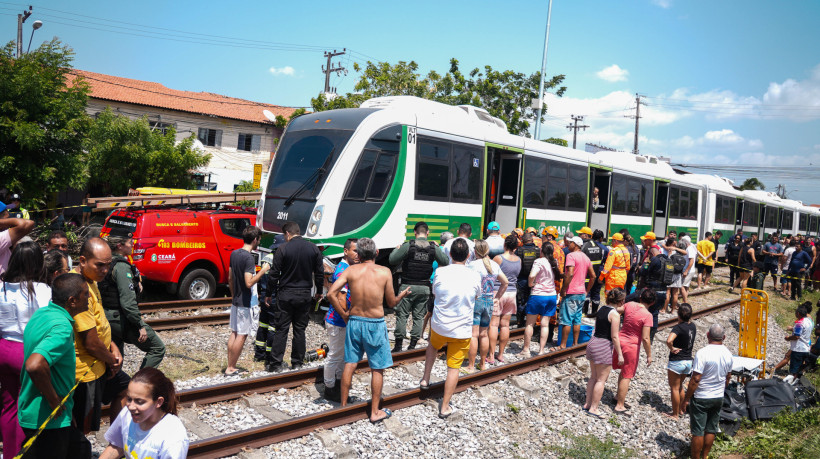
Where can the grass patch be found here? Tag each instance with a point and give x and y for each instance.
(782, 309)
(513, 408)
(790, 435)
(591, 447)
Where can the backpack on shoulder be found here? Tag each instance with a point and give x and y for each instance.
(679, 261)
(668, 273)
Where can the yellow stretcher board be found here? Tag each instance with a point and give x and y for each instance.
(754, 320)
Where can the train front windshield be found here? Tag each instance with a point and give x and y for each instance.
(303, 162)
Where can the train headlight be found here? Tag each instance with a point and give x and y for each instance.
(317, 215)
(312, 229)
(315, 220)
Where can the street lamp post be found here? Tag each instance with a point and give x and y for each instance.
(543, 69)
(35, 26)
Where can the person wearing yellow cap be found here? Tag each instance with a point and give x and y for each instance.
(617, 264)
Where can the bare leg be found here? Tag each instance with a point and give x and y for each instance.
(697, 447)
(593, 376)
(528, 330)
(235, 345)
(666, 301)
(493, 334)
(449, 389)
(564, 334)
(473, 349)
(505, 336)
(545, 323)
(347, 380)
(598, 388)
(674, 387)
(623, 388)
(708, 441)
(376, 383)
(483, 346)
(783, 362)
(576, 332)
(426, 323)
(116, 406)
(429, 360)
(684, 293)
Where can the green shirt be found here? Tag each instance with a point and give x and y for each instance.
(756, 282)
(49, 333)
(123, 276)
(397, 256)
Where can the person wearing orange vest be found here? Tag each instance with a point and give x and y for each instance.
(550, 236)
(617, 264)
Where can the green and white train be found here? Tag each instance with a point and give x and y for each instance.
(376, 170)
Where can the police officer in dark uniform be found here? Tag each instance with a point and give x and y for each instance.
(652, 273)
(119, 292)
(416, 258)
(528, 252)
(264, 334)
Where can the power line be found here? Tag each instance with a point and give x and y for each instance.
(574, 128)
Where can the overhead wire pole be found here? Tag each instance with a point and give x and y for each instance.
(330, 69)
(21, 18)
(543, 72)
(637, 117)
(574, 128)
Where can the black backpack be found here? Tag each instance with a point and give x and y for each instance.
(680, 262)
(668, 273)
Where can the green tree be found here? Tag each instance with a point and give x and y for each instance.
(125, 153)
(556, 141)
(507, 95)
(752, 184)
(42, 122)
(246, 186)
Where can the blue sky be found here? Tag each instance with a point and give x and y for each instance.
(728, 83)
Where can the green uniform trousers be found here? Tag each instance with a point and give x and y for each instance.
(415, 305)
(153, 346)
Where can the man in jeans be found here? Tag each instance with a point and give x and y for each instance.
(710, 376)
(335, 323)
(772, 252)
(297, 269)
(577, 268)
(242, 277)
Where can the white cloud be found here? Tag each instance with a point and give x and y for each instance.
(665, 4)
(286, 71)
(612, 73)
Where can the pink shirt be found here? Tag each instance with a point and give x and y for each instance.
(581, 263)
(635, 318)
(5, 250)
(544, 283)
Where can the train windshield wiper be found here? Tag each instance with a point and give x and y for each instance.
(318, 174)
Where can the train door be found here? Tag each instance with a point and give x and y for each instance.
(738, 214)
(761, 224)
(504, 188)
(600, 187)
(661, 202)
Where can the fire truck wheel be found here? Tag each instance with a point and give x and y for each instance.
(197, 284)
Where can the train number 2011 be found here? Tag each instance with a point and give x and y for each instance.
(281, 215)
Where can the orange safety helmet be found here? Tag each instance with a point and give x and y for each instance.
(518, 232)
(532, 230)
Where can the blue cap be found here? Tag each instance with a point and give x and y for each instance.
(493, 226)
(278, 240)
(2, 206)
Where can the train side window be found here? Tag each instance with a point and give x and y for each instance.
(433, 171)
(674, 202)
(788, 219)
(771, 217)
(361, 179)
(557, 186)
(633, 197)
(646, 198)
(382, 177)
(693, 204)
(466, 179)
(803, 222)
(535, 187)
(577, 188)
(619, 194)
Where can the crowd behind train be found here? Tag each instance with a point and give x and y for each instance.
(64, 333)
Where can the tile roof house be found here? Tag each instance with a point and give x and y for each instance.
(236, 132)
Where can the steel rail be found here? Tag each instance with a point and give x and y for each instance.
(174, 323)
(257, 437)
(183, 305)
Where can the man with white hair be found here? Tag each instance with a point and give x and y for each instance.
(710, 376)
(689, 272)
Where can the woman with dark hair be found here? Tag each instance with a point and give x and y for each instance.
(634, 253)
(605, 344)
(56, 263)
(635, 331)
(745, 261)
(503, 308)
(733, 248)
(543, 296)
(680, 342)
(148, 426)
(490, 272)
(23, 290)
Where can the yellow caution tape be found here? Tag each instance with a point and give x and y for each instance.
(747, 270)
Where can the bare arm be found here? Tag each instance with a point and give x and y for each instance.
(567, 279)
(389, 294)
(337, 298)
(96, 348)
(591, 277)
(694, 382)
(647, 344)
(230, 280)
(502, 279)
(112, 452)
(615, 325)
(251, 280)
(670, 343)
(18, 228)
(37, 368)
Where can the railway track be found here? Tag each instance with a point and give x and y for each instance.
(233, 443)
(183, 305)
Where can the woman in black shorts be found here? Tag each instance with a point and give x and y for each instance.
(745, 260)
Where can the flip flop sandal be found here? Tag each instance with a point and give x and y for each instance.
(599, 415)
(445, 416)
(624, 413)
(424, 385)
(237, 372)
(387, 411)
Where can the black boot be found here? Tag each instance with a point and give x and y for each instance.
(334, 394)
(397, 347)
(412, 344)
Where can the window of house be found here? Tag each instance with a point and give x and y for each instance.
(535, 187)
(210, 137)
(249, 142)
(159, 126)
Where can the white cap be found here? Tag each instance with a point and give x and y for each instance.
(578, 241)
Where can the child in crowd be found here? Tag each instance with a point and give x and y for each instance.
(758, 276)
(800, 339)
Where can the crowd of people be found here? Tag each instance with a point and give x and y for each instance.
(63, 327)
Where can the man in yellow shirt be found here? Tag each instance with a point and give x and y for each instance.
(98, 359)
(706, 248)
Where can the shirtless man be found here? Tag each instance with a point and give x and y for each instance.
(370, 287)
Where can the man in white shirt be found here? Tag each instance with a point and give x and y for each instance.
(464, 233)
(456, 288)
(710, 376)
(689, 272)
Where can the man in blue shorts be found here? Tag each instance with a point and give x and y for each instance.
(577, 268)
(370, 286)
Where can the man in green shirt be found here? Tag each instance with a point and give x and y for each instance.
(416, 259)
(49, 373)
(119, 292)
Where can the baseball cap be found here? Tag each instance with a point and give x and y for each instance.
(585, 230)
(493, 226)
(577, 240)
(617, 237)
(278, 240)
(649, 235)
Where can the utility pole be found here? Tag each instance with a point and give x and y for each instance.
(574, 128)
(543, 70)
(21, 18)
(330, 68)
(637, 117)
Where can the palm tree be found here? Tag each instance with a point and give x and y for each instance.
(752, 183)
